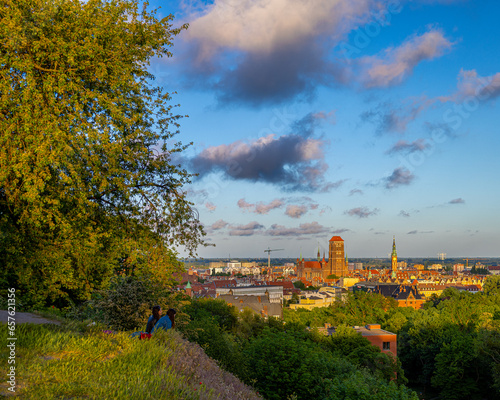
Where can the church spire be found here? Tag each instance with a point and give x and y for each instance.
(394, 253)
(394, 256)
(319, 256)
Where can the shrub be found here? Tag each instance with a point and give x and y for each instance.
(126, 304)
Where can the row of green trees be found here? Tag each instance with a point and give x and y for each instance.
(287, 361)
(450, 348)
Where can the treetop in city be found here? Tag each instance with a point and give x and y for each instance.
(88, 186)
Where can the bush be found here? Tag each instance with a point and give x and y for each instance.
(126, 304)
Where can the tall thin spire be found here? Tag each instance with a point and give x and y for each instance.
(319, 256)
(394, 256)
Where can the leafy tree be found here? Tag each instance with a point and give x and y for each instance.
(492, 285)
(358, 350)
(299, 285)
(223, 315)
(126, 304)
(87, 178)
(453, 372)
(480, 271)
(488, 348)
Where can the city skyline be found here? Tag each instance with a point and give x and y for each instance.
(364, 119)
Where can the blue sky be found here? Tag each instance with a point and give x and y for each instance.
(359, 118)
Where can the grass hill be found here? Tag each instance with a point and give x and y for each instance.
(76, 361)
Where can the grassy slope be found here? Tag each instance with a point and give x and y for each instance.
(73, 361)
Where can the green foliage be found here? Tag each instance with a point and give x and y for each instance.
(480, 271)
(287, 360)
(362, 385)
(492, 285)
(358, 309)
(487, 346)
(71, 361)
(87, 182)
(452, 373)
(282, 366)
(350, 344)
(299, 285)
(446, 348)
(218, 311)
(126, 304)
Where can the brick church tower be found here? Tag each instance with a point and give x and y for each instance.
(336, 260)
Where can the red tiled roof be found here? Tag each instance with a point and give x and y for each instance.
(336, 239)
(224, 283)
(285, 284)
(312, 264)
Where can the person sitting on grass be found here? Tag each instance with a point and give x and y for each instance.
(166, 322)
(153, 319)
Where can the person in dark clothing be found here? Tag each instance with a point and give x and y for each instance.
(153, 319)
(167, 322)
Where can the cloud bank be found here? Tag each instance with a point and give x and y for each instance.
(294, 162)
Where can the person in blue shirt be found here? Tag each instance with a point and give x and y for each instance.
(166, 322)
(153, 319)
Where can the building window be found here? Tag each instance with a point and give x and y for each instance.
(386, 345)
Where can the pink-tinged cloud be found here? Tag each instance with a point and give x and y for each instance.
(220, 224)
(402, 146)
(293, 162)
(210, 206)
(472, 85)
(395, 64)
(243, 204)
(400, 176)
(284, 47)
(457, 201)
(390, 118)
(260, 208)
(245, 230)
(355, 191)
(312, 228)
(295, 211)
(362, 212)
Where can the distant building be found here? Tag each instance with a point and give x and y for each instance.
(494, 270)
(353, 266)
(458, 267)
(323, 297)
(258, 304)
(386, 341)
(319, 270)
(405, 295)
(273, 293)
(348, 282)
(394, 256)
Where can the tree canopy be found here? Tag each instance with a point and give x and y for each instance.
(88, 185)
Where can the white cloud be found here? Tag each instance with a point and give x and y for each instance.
(395, 64)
